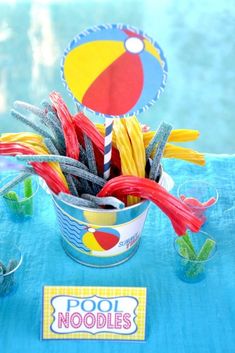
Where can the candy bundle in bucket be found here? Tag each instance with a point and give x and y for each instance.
(102, 177)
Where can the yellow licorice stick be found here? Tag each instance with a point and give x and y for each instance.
(27, 137)
(187, 154)
(177, 135)
(172, 151)
(180, 135)
(137, 142)
(124, 147)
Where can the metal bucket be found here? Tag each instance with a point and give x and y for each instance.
(101, 237)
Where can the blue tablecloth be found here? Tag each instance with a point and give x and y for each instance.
(181, 317)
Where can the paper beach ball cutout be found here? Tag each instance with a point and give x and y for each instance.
(101, 239)
(114, 70)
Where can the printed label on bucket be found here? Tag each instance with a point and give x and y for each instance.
(100, 241)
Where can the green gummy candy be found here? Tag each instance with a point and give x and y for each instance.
(206, 250)
(194, 269)
(28, 188)
(197, 268)
(28, 192)
(12, 201)
(182, 248)
(189, 243)
(186, 247)
(11, 195)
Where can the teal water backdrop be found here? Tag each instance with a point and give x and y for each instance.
(197, 38)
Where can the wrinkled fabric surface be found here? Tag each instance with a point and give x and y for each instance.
(181, 317)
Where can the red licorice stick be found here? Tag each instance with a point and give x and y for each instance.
(209, 202)
(180, 215)
(13, 148)
(193, 202)
(43, 169)
(71, 140)
(50, 177)
(84, 125)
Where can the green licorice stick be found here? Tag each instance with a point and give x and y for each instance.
(189, 243)
(206, 250)
(28, 192)
(11, 198)
(197, 268)
(186, 248)
(182, 248)
(28, 187)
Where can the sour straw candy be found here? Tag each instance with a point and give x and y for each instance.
(181, 217)
(47, 118)
(166, 129)
(26, 121)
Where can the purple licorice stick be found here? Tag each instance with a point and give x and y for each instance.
(165, 130)
(76, 201)
(108, 146)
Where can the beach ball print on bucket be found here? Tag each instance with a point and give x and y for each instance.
(100, 239)
(114, 71)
